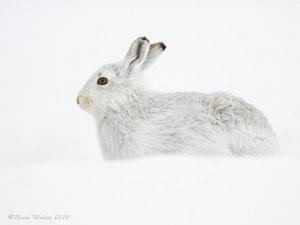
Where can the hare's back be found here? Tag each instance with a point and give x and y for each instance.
(233, 111)
(223, 108)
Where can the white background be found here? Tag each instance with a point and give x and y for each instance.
(50, 162)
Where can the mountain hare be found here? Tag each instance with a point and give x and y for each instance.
(133, 122)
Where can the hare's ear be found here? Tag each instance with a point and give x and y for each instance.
(137, 54)
(154, 52)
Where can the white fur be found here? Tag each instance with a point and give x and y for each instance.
(133, 122)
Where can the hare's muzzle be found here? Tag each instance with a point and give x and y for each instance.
(84, 101)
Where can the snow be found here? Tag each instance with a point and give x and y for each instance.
(158, 190)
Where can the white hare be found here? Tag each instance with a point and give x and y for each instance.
(133, 122)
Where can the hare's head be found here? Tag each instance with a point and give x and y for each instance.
(113, 84)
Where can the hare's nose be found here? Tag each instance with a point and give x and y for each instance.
(83, 101)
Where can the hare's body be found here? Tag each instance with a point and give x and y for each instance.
(134, 122)
(185, 122)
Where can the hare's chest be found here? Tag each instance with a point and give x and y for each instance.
(115, 139)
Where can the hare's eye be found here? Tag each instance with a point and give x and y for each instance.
(102, 81)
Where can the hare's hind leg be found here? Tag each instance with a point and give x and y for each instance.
(248, 130)
(242, 143)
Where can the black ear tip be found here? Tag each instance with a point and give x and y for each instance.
(144, 39)
(163, 46)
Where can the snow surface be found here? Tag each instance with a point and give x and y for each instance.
(163, 190)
